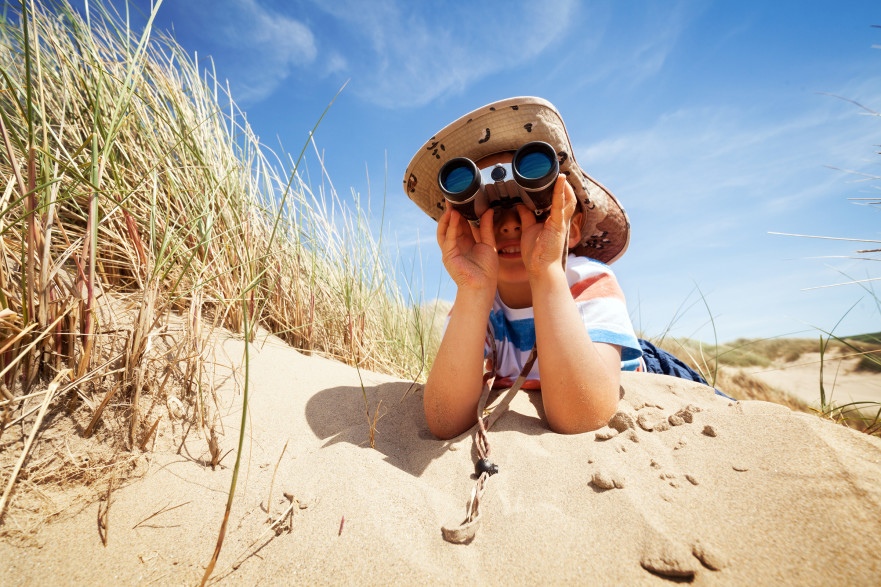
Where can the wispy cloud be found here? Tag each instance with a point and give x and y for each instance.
(703, 187)
(398, 57)
(730, 159)
(258, 46)
(624, 63)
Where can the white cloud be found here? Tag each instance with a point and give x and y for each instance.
(407, 59)
(624, 63)
(691, 156)
(258, 46)
(336, 63)
(704, 186)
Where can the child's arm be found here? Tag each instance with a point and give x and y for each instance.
(579, 378)
(456, 379)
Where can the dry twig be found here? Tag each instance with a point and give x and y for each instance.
(27, 447)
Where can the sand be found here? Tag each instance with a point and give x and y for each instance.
(733, 493)
(801, 379)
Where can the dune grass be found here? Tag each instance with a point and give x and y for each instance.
(728, 360)
(763, 352)
(866, 415)
(138, 211)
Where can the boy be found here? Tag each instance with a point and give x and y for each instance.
(509, 270)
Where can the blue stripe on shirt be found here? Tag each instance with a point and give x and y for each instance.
(630, 365)
(519, 332)
(630, 349)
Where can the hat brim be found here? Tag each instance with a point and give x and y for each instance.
(505, 126)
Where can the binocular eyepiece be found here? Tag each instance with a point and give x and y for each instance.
(529, 179)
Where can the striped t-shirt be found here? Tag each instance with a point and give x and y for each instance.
(600, 302)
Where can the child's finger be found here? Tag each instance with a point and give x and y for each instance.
(487, 235)
(475, 232)
(527, 217)
(558, 204)
(570, 202)
(443, 223)
(452, 233)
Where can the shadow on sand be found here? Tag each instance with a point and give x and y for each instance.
(338, 415)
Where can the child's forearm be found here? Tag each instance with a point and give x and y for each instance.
(453, 389)
(579, 378)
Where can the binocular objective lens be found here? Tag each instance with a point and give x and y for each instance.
(457, 179)
(534, 165)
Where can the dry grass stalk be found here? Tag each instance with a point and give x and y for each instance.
(149, 434)
(130, 178)
(104, 514)
(50, 395)
(7, 407)
(272, 481)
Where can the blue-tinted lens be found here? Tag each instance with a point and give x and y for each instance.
(534, 165)
(458, 179)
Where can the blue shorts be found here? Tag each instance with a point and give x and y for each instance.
(662, 362)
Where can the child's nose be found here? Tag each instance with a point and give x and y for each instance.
(507, 221)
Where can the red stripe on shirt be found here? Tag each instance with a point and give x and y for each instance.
(599, 286)
(528, 385)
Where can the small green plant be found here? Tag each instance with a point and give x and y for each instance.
(862, 415)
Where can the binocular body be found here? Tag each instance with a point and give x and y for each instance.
(528, 179)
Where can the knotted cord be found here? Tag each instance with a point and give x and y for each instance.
(466, 531)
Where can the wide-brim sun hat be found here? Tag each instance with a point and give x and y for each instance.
(505, 126)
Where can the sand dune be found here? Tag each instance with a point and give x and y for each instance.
(734, 493)
(801, 379)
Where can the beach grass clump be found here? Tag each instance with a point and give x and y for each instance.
(138, 211)
(727, 361)
(765, 352)
(863, 415)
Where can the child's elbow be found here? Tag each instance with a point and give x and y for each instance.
(443, 429)
(440, 421)
(442, 433)
(579, 427)
(588, 421)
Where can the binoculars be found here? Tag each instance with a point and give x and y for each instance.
(528, 179)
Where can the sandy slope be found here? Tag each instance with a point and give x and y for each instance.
(801, 379)
(764, 496)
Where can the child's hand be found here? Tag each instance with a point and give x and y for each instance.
(542, 243)
(469, 254)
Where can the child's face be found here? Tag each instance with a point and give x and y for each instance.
(508, 231)
(506, 226)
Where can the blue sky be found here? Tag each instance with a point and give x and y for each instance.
(710, 121)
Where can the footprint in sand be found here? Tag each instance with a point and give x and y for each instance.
(685, 556)
(606, 480)
(671, 558)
